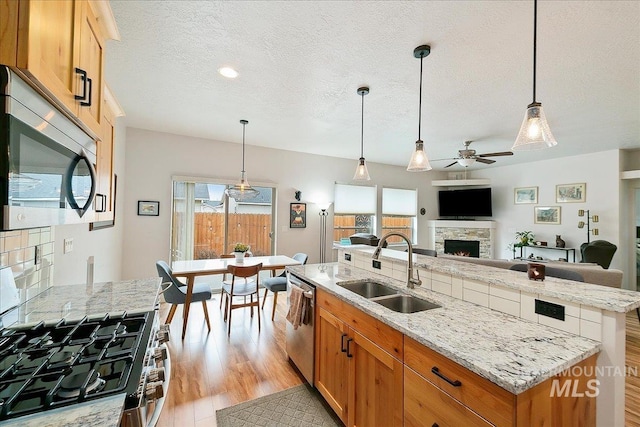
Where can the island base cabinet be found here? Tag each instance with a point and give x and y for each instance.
(426, 405)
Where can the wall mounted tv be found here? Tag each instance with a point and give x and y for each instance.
(465, 203)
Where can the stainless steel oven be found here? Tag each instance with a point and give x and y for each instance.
(300, 341)
(47, 172)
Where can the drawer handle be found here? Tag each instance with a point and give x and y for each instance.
(349, 347)
(88, 103)
(83, 77)
(342, 348)
(435, 425)
(455, 383)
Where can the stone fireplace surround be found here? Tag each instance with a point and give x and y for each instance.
(482, 231)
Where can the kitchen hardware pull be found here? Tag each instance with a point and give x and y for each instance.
(88, 103)
(342, 349)
(103, 206)
(349, 347)
(435, 425)
(83, 76)
(455, 383)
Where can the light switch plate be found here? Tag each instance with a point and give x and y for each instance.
(68, 245)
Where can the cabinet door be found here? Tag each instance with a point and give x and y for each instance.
(375, 385)
(331, 361)
(90, 58)
(426, 405)
(104, 172)
(46, 46)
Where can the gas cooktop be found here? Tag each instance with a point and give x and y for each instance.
(48, 366)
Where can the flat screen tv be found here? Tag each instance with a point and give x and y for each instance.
(464, 203)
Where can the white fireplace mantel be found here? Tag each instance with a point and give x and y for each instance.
(484, 231)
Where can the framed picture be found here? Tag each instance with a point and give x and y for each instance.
(546, 215)
(524, 195)
(567, 193)
(298, 218)
(106, 224)
(148, 208)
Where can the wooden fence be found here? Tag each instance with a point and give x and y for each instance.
(345, 226)
(251, 229)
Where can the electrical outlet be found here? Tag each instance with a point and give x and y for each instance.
(347, 257)
(377, 264)
(549, 309)
(68, 245)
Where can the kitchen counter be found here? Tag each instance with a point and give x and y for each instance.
(513, 353)
(75, 302)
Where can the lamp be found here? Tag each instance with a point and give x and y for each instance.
(242, 190)
(534, 132)
(323, 230)
(419, 161)
(581, 224)
(362, 174)
(466, 161)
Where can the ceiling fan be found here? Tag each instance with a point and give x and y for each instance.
(468, 156)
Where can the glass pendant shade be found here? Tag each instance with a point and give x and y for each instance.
(362, 174)
(242, 190)
(535, 132)
(419, 161)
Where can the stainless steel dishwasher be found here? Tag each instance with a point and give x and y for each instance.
(300, 341)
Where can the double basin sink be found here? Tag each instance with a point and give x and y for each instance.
(387, 296)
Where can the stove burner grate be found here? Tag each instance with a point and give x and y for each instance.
(73, 385)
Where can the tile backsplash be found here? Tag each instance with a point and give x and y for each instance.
(29, 254)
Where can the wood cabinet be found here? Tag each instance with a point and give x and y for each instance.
(438, 391)
(60, 48)
(357, 366)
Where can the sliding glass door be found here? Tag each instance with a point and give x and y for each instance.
(206, 223)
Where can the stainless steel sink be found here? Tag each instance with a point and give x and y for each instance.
(406, 303)
(368, 288)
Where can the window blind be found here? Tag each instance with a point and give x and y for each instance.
(354, 199)
(396, 201)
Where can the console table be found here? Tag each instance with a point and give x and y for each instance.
(566, 251)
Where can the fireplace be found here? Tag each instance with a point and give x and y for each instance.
(470, 248)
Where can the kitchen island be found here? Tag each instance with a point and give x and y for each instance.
(72, 302)
(513, 352)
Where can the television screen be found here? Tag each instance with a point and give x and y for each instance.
(465, 203)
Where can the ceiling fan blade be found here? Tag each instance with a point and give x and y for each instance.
(446, 158)
(500, 153)
(485, 161)
(451, 164)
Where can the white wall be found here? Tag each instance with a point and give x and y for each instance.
(152, 158)
(104, 244)
(600, 171)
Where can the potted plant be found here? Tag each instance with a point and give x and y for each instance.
(239, 250)
(525, 238)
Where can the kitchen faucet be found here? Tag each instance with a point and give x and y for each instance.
(411, 282)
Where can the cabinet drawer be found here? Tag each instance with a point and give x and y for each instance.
(481, 395)
(383, 335)
(426, 405)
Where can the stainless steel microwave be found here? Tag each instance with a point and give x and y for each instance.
(47, 172)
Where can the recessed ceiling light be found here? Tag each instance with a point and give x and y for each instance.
(228, 72)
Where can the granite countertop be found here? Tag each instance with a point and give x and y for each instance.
(75, 302)
(511, 352)
(597, 296)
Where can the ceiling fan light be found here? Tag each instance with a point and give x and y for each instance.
(362, 174)
(466, 162)
(535, 132)
(419, 161)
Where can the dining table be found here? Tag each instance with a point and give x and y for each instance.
(190, 269)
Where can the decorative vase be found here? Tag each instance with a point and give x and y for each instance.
(239, 256)
(559, 242)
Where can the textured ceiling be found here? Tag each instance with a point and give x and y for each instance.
(301, 62)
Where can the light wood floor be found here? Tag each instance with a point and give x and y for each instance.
(213, 371)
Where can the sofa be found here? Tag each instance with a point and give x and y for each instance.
(592, 273)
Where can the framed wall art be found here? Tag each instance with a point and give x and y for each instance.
(546, 215)
(148, 208)
(298, 215)
(567, 193)
(526, 195)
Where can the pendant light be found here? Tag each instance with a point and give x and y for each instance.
(242, 190)
(419, 161)
(362, 174)
(534, 132)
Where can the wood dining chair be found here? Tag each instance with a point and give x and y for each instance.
(240, 287)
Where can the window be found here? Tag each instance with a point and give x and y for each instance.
(354, 210)
(399, 213)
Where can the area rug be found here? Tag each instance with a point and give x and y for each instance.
(297, 406)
